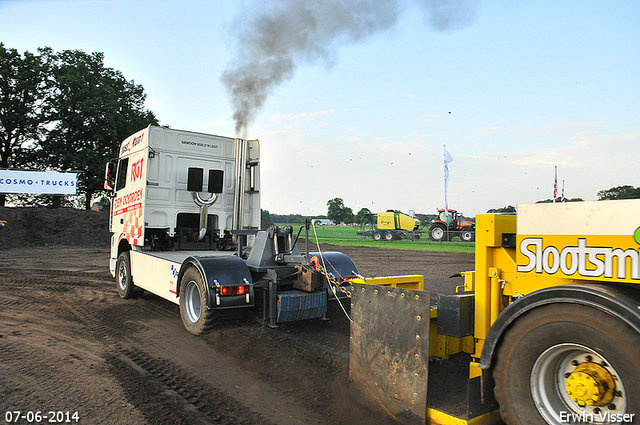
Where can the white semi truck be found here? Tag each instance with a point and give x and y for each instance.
(185, 222)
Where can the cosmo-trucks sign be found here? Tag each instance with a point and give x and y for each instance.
(12, 181)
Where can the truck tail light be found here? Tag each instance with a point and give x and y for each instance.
(229, 291)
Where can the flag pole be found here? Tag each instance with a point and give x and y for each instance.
(555, 185)
(447, 160)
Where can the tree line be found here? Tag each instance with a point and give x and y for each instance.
(66, 111)
(284, 218)
(339, 213)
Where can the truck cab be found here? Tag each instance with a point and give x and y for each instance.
(156, 176)
(185, 222)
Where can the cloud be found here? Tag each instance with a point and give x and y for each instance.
(580, 151)
(574, 127)
(491, 130)
(587, 162)
(309, 116)
(570, 127)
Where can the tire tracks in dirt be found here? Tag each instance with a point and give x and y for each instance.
(192, 401)
(49, 364)
(68, 342)
(154, 389)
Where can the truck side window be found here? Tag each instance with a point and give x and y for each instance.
(121, 179)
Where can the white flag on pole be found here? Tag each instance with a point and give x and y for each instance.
(447, 160)
(555, 185)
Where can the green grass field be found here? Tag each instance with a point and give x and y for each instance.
(343, 235)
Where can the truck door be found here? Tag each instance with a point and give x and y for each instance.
(127, 204)
(121, 182)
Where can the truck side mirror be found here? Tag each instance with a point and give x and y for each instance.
(194, 179)
(110, 176)
(216, 181)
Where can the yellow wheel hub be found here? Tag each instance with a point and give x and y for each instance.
(590, 384)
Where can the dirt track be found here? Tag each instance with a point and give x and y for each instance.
(68, 343)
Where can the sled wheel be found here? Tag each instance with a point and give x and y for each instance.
(562, 362)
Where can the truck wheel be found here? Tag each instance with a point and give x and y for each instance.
(377, 236)
(437, 234)
(568, 363)
(196, 316)
(125, 286)
(388, 236)
(466, 236)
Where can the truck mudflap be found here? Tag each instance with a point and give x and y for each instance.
(219, 272)
(389, 349)
(336, 264)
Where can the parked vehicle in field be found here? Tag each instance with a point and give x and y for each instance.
(393, 225)
(449, 225)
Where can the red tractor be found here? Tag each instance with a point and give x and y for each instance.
(450, 225)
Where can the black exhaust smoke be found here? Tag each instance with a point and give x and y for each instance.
(279, 35)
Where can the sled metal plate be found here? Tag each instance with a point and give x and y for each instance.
(389, 349)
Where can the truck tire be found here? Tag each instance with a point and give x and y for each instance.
(568, 359)
(124, 281)
(466, 236)
(377, 236)
(196, 316)
(438, 233)
(388, 236)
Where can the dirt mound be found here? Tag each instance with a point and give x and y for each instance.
(39, 226)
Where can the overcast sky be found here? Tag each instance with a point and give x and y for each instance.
(374, 89)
